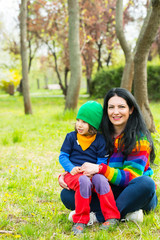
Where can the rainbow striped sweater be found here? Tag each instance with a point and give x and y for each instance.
(119, 171)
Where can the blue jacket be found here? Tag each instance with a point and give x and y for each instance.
(72, 155)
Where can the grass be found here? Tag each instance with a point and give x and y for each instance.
(30, 205)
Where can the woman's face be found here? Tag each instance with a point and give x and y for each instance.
(118, 112)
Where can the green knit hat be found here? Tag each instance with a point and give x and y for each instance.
(91, 112)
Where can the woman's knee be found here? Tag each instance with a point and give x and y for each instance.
(144, 183)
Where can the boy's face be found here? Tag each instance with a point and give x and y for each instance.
(82, 127)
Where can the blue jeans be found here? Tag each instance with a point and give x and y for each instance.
(139, 194)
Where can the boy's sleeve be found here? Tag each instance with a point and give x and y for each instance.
(102, 160)
(65, 153)
(65, 162)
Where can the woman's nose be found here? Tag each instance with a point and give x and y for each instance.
(116, 110)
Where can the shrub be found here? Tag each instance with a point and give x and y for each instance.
(10, 80)
(108, 78)
(104, 80)
(153, 82)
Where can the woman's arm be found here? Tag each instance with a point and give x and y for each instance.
(121, 172)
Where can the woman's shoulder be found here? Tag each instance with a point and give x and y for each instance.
(143, 143)
(142, 137)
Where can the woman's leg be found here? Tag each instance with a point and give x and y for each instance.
(139, 194)
(67, 198)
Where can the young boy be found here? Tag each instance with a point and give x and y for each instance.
(85, 144)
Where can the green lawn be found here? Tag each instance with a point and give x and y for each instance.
(30, 206)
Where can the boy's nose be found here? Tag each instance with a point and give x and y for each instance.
(80, 123)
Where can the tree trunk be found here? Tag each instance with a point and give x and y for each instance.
(99, 62)
(31, 54)
(23, 36)
(108, 59)
(136, 61)
(89, 66)
(63, 87)
(128, 72)
(146, 37)
(66, 71)
(74, 55)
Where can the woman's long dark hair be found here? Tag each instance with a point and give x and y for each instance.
(135, 127)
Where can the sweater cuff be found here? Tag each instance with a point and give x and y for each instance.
(102, 168)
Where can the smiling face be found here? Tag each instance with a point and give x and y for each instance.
(82, 127)
(118, 112)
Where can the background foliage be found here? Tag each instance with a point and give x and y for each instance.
(107, 78)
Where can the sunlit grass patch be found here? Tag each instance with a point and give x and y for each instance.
(30, 204)
(5, 140)
(17, 136)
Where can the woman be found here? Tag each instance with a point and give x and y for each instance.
(130, 147)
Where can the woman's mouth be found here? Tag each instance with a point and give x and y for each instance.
(117, 118)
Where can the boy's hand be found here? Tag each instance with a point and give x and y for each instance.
(75, 170)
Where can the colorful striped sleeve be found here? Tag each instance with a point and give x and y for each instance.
(120, 172)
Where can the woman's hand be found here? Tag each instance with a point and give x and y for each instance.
(62, 182)
(89, 169)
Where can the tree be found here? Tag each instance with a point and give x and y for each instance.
(23, 38)
(127, 77)
(146, 37)
(155, 49)
(136, 61)
(48, 21)
(97, 24)
(48, 24)
(32, 47)
(74, 55)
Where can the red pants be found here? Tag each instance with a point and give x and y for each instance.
(83, 187)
